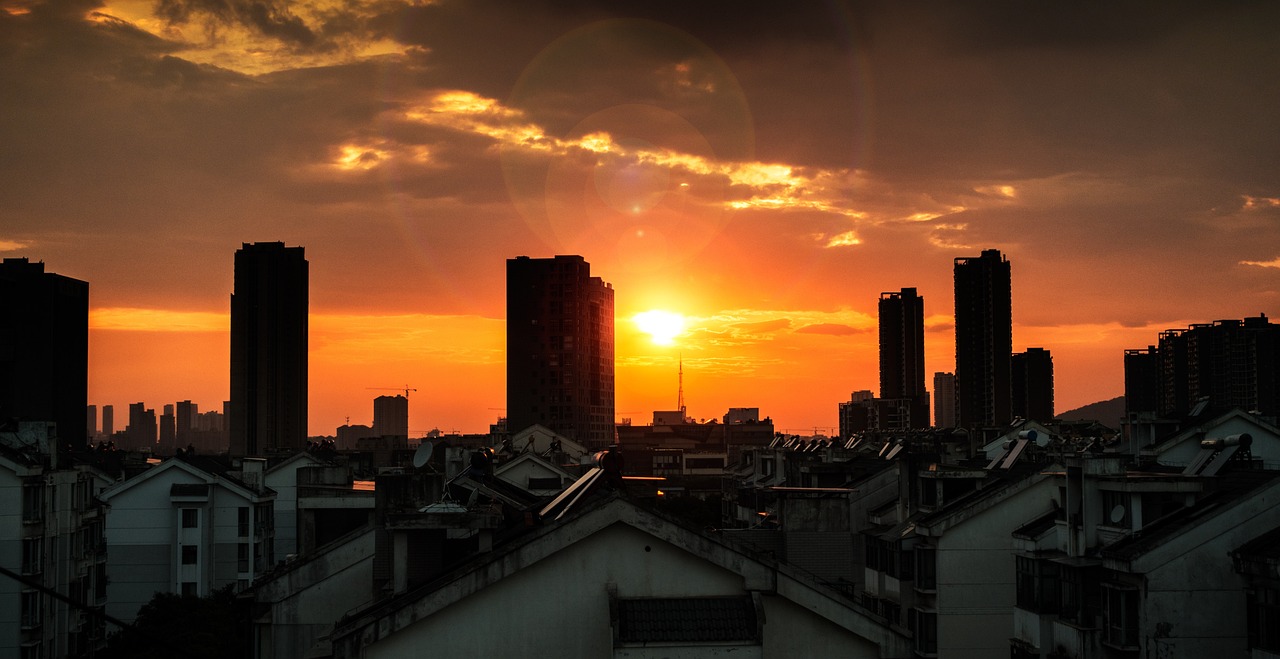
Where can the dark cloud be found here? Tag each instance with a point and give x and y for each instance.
(271, 18)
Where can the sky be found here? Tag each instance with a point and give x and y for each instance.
(763, 169)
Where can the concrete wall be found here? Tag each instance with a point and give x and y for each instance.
(795, 633)
(306, 600)
(976, 576)
(285, 482)
(1194, 601)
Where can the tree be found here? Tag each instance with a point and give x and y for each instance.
(215, 627)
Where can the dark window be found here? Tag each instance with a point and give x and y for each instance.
(189, 554)
(1115, 509)
(926, 568)
(242, 557)
(190, 518)
(1120, 613)
(928, 492)
(30, 608)
(869, 545)
(1264, 619)
(189, 589)
(32, 502)
(32, 556)
(926, 632)
(243, 521)
(1037, 585)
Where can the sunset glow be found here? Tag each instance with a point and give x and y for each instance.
(748, 177)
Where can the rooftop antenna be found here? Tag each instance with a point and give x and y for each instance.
(680, 389)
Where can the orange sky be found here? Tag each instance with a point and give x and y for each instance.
(763, 169)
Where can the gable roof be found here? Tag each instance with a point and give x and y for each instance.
(296, 457)
(1200, 429)
(956, 512)
(206, 469)
(1232, 489)
(530, 456)
(530, 435)
(759, 573)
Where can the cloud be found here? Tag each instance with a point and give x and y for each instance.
(14, 245)
(267, 17)
(1273, 263)
(126, 319)
(832, 329)
(762, 327)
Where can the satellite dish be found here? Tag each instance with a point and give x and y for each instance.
(423, 455)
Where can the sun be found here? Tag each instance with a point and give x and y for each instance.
(661, 326)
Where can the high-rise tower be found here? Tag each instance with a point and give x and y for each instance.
(560, 349)
(268, 409)
(984, 339)
(391, 416)
(1031, 382)
(902, 352)
(44, 347)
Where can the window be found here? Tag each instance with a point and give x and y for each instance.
(242, 557)
(926, 568)
(190, 518)
(877, 553)
(189, 589)
(242, 516)
(32, 555)
(189, 554)
(928, 492)
(1120, 613)
(32, 502)
(1264, 619)
(1115, 509)
(30, 608)
(926, 632)
(1037, 585)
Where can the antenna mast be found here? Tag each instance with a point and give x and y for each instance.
(680, 391)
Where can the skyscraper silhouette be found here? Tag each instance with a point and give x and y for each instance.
(391, 416)
(560, 349)
(944, 399)
(1031, 382)
(268, 410)
(44, 347)
(902, 352)
(984, 339)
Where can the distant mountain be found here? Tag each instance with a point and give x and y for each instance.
(1108, 412)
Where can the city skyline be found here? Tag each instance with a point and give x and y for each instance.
(763, 171)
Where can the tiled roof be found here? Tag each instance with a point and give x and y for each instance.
(687, 619)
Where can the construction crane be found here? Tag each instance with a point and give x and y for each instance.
(406, 389)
